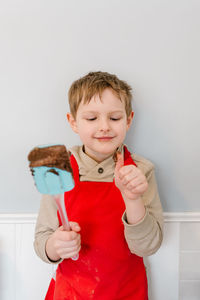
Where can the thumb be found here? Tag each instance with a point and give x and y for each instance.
(120, 162)
(75, 226)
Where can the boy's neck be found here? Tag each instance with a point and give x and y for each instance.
(120, 148)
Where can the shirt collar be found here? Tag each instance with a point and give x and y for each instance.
(89, 169)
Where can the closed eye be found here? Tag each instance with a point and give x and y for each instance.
(115, 119)
(91, 119)
(112, 119)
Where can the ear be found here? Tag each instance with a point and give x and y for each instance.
(129, 120)
(72, 122)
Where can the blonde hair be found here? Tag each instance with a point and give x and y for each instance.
(94, 83)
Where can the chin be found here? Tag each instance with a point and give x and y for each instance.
(108, 151)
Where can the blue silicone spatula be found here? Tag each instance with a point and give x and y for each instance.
(52, 173)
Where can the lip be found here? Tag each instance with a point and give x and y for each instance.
(104, 137)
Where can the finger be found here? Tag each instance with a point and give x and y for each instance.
(69, 244)
(139, 189)
(128, 177)
(70, 254)
(120, 161)
(75, 226)
(134, 183)
(60, 228)
(67, 253)
(66, 247)
(129, 169)
(67, 235)
(60, 234)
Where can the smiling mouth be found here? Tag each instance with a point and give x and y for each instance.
(104, 138)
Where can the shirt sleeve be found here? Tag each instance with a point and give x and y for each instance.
(47, 223)
(145, 237)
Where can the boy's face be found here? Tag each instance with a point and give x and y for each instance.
(101, 124)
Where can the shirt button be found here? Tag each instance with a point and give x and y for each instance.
(100, 170)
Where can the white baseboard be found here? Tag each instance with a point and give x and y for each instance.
(31, 218)
(182, 217)
(18, 218)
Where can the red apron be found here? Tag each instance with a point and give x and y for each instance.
(106, 269)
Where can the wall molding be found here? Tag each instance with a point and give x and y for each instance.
(31, 218)
(18, 218)
(182, 217)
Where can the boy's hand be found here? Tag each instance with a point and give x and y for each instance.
(129, 180)
(64, 244)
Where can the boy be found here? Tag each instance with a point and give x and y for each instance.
(115, 207)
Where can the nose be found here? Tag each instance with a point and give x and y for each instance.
(104, 125)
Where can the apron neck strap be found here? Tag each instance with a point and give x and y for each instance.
(128, 158)
(127, 161)
(75, 168)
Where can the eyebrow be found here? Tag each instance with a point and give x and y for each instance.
(94, 111)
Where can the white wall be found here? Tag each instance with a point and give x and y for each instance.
(24, 276)
(154, 45)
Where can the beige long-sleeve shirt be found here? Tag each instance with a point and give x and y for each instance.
(143, 238)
